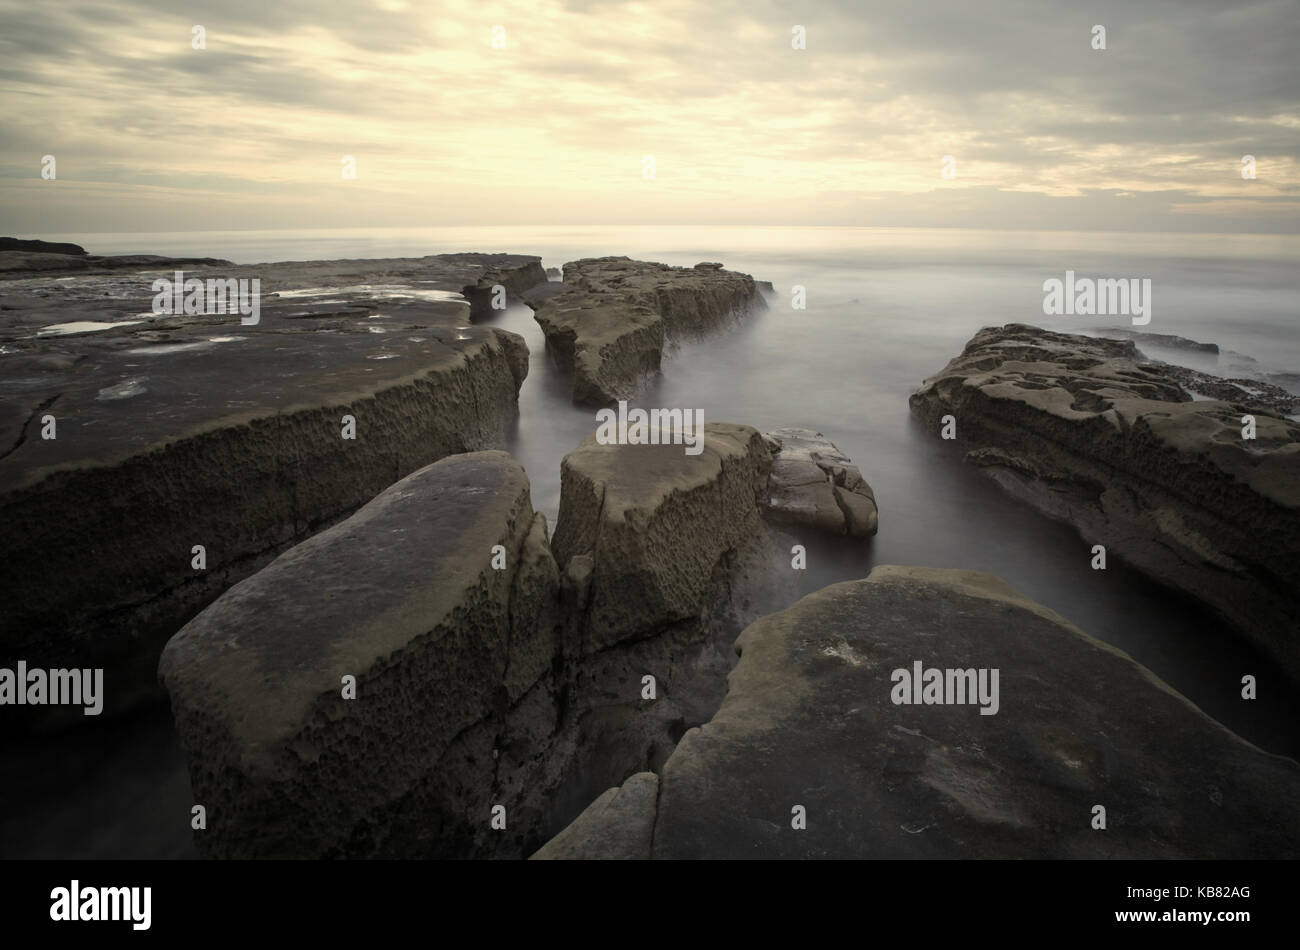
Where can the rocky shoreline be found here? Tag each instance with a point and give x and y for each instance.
(385, 653)
(1090, 432)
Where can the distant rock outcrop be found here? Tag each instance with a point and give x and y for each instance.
(39, 247)
(811, 755)
(18, 263)
(609, 321)
(1089, 432)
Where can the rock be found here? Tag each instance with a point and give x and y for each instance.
(1088, 432)
(197, 430)
(1254, 392)
(658, 525)
(616, 827)
(1169, 340)
(809, 721)
(524, 687)
(444, 649)
(39, 247)
(814, 486)
(665, 559)
(610, 347)
(611, 324)
(552, 272)
(17, 264)
(515, 272)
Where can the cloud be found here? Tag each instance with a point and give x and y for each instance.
(1046, 131)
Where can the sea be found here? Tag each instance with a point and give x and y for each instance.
(885, 308)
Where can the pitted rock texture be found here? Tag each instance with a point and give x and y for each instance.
(809, 720)
(610, 319)
(177, 431)
(451, 658)
(665, 559)
(1089, 432)
(658, 526)
(813, 485)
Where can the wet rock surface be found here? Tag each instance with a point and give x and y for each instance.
(809, 723)
(1089, 432)
(815, 486)
(196, 429)
(610, 320)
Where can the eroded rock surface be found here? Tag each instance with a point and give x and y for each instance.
(809, 722)
(451, 658)
(610, 319)
(196, 430)
(664, 558)
(658, 526)
(1088, 431)
(540, 682)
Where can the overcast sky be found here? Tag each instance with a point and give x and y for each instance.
(149, 133)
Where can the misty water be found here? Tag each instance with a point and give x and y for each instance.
(885, 309)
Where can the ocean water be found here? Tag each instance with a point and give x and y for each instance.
(885, 309)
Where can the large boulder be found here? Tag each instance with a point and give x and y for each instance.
(656, 528)
(811, 754)
(1090, 432)
(610, 319)
(440, 599)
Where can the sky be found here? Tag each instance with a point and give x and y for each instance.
(545, 112)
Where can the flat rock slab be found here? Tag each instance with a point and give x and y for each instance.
(405, 597)
(1090, 432)
(814, 486)
(809, 722)
(177, 431)
(609, 321)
